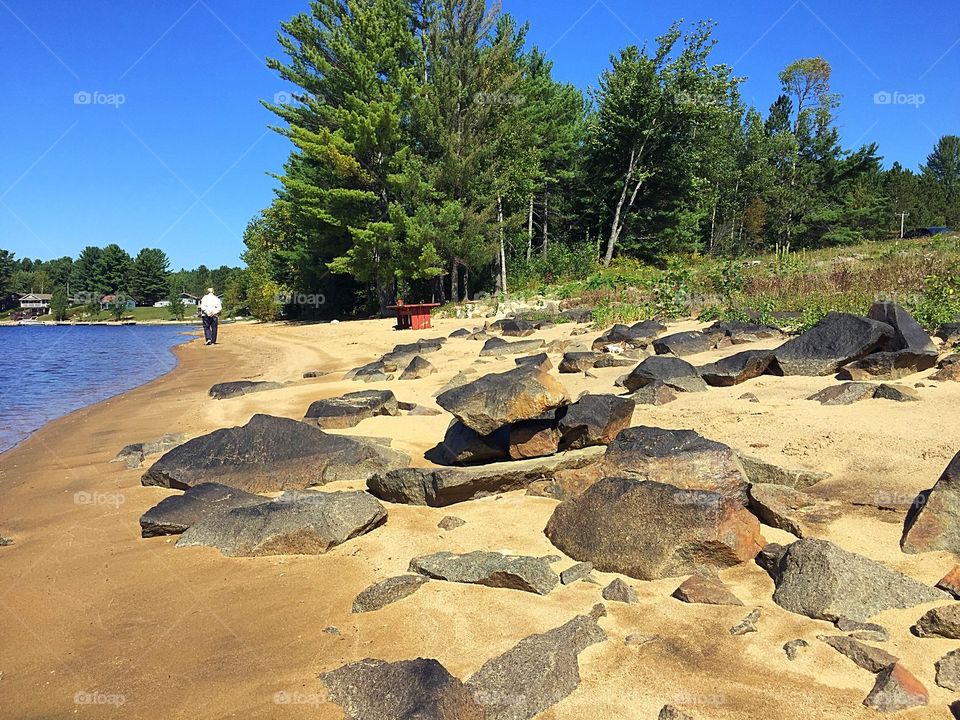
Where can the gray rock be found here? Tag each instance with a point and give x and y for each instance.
(866, 656)
(948, 671)
(760, 471)
(5, 541)
(681, 458)
(896, 689)
(420, 689)
(778, 506)
(748, 624)
(738, 368)
(270, 454)
(296, 523)
(669, 712)
(462, 445)
(440, 487)
(451, 522)
(743, 332)
(594, 420)
(838, 339)
(534, 438)
(575, 362)
(862, 630)
(619, 591)
(650, 530)
(910, 350)
(177, 513)
(495, 347)
(223, 391)
(683, 343)
(820, 580)
(537, 673)
(933, 520)
(578, 315)
(332, 630)
(941, 622)
(461, 378)
(498, 399)
(493, 569)
(134, 455)
(898, 393)
(419, 367)
(387, 591)
(310, 374)
(792, 648)
(656, 393)
(541, 360)
(671, 371)
(844, 394)
(460, 333)
(348, 410)
(517, 328)
(575, 572)
(749, 397)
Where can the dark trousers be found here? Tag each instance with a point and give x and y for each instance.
(210, 328)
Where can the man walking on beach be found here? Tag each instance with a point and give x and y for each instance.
(210, 308)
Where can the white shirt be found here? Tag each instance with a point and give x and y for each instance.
(210, 304)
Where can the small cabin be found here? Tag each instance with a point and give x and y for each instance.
(36, 303)
(107, 301)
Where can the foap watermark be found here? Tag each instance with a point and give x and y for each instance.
(700, 99)
(898, 500)
(886, 97)
(301, 299)
(97, 697)
(499, 98)
(284, 97)
(85, 97)
(686, 698)
(111, 499)
(295, 697)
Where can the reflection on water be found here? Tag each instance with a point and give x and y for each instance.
(51, 371)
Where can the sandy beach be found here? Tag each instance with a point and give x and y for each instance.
(98, 622)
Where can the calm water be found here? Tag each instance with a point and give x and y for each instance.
(51, 371)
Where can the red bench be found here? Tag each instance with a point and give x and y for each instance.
(413, 317)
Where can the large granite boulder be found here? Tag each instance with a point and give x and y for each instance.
(933, 521)
(738, 368)
(348, 410)
(517, 328)
(439, 487)
(386, 592)
(670, 371)
(418, 368)
(577, 362)
(225, 390)
(270, 454)
(910, 350)
(650, 530)
(420, 689)
(690, 342)
(537, 673)
(497, 399)
(838, 339)
(493, 569)
(495, 347)
(681, 458)
(820, 580)
(594, 420)
(177, 513)
(462, 445)
(296, 523)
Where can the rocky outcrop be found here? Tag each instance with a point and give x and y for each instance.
(650, 530)
(388, 591)
(348, 410)
(820, 580)
(681, 458)
(177, 513)
(225, 390)
(670, 371)
(533, 439)
(951, 582)
(933, 521)
(296, 523)
(537, 673)
(422, 689)
(439, 487)
(838, 339)
(270, 454)
(493, 569)
(683, 343)
(738, 368)
(498, 399)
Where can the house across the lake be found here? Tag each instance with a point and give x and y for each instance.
(185, 297)
(36, 303)
(107, 300)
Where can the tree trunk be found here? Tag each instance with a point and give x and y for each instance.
(466, 283)
(530, 230)
(502, 254)
(546, 224)
(454, 290)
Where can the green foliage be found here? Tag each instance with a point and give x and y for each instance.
(940, 301)
(149, 276)
(59, 305)
(177, 308)
(671, 293)
(118, 305)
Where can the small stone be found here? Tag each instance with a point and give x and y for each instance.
(867, 629)
(314, 374)
(515, 572)
(669, 712)
(948, 670)
(866, 656)
(5, 541)
(331, 630)
(575, 572)
(387, 591)
(706, 591)
(792, 648)
(749, 397)
(951, 582)
(656, 393)
(619, 591)
(637, 640)
(941, 621)
(747, 625)
(899, 393)
(896, 689)
(845, 394)
(451, 522)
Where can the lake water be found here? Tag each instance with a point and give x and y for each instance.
(51, 371)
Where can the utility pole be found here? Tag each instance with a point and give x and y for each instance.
(902, 215)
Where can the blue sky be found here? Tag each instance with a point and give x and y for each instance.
(172, 150)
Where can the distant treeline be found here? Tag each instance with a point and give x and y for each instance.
(109, 270)
(435, 155)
